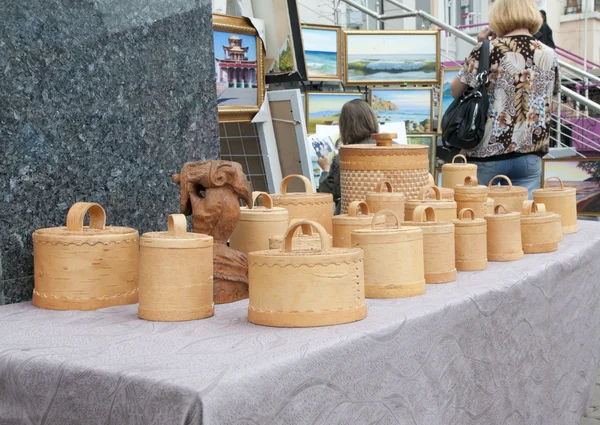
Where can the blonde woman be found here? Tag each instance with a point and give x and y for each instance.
(357, 123)
(523, 78)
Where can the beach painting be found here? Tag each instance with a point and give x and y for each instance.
(392, 57)
(325, 108)
(448, 75)
(322, 52)
(583, 175)
(414, 107)
(429, 140)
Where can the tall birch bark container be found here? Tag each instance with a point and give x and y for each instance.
(444, 210)
(438, 245)
(176, 274)
(560, 200)
(472, 195)
(538, 229)
(471, 241)
(511, 197)
(456, 172)
(358, 217)
(306, 205)
(81, 267)
(504, 241)
(303, 238)
(257, 224)
(362, 166)
(394, 263)
(388, 200)
(306, 288)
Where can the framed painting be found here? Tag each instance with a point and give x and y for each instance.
(447, 76)
(325, 108)
(239, 68)
(413, 106)
(581, 173)
(323, 52)
(429, 140)
(392, 57)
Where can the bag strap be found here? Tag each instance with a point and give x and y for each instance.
(484, 62)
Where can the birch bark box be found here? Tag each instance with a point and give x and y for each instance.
(306, 288)
(445, 210)
(511, 197)
(538, 229)
(394, 263)
(470, 194)
(456, 172)
(386, 200)
(81, 267)
(358, 217)
(504, 241)
(560, 200)
(471, 241)
(176, 274)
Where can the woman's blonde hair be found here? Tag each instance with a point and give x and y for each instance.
(507, 16)
(357, 122)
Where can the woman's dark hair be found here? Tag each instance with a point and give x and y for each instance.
(357, 122)
(543, 12)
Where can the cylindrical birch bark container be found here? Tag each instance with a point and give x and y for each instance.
(538, 229)
(471, 241)
(504, 241)
(455, 173)
(471, 195)
(358, 217)
(560, 200)
(512, 197)
(390, 200)
(444, 210)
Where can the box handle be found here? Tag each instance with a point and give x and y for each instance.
(532, 207)
(464, 158)
(562, 186)
(77, 214)
(305, 228)
(423, 214)
(503, 177)
(385, 183)
(177, 225)
(425, 189)
(289, 234)
(501, 206)
(471, 181)
(354, 207)
(385, 213)
(469, 211)
(268, 201)
(284, 183)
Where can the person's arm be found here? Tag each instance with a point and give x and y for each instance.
(467, 76)
(324, 164)
(331, 183)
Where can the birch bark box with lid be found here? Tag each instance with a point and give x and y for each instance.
(303, 238)
(394, 263)
(470, 194)
(447, 194)
(511, 197)
(386, 200)
(455, 172)
(538, 229)
(445, 210)
(176, 274)
(81, 267)
(560, 200)
(257, 224)
(358, 217)
(504, 241)
(306, 288)
(306, 205)
(438, 245)
(362, 166)
(471, 241)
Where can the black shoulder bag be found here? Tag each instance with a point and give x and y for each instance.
(463, 124)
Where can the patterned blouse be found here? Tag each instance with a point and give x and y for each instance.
(523, 79)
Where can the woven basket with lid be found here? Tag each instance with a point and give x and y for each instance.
(362, 166)
(471, 241)
(304, 238)
(176, 274)
(306, 288)
(560, 200)
(306, 205)
(447, 194)
(538, 229)
(470, 194)
(504, 241)
(394, 264)
(455, 172)
(81, 267)
(438, 245)
(389, 200)
(358, 217)
(512, 197)
(445, 210)
(257, 224)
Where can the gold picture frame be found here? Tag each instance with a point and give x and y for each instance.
(389, 39)
(443, 72)
(419, 126)
(320, 55)
(429, 140)
(235, 31)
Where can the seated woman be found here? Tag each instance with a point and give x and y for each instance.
(357, 123)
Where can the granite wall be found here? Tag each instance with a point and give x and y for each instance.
(99, 101)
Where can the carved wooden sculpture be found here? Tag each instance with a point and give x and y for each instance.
(210, 192)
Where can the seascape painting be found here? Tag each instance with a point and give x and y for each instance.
(414, 107)
(321, 50)
(325, 108)
(392, 57)
(428, 140)
(583, 175)
(448, 75)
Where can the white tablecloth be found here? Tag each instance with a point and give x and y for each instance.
(516, 344)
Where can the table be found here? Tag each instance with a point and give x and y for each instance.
(516, 344)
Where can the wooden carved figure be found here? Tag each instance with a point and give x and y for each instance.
(210, 192)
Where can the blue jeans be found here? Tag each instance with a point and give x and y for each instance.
(525, 171)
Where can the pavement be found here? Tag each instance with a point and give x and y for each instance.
(593, 415)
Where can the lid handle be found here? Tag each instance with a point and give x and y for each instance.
(425, 189)
(385, 213)
(77, 213)
(532, 207)
(177, 225)
(562, 186)
(305, 229)
(471, 181)
(423, 214)
(466, 211)
(289, 234)
(284, 183)
(385, 183)
(268, 201)
(464, 158)
(354, 207)
(503, 177)
(502, 207)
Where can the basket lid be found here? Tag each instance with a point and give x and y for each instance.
(176, 236)
(501, 213)
(425, 198)
(559, 191)
(510, 190)
(389, 194)
(424, 216)
(76, 231)
(304, 233)
(308, 194)
(358, 214)
(535, 212)
(268, 211)
(382, 228)
(471, 186)
(467, 218)
(457, 166)
(362, 157)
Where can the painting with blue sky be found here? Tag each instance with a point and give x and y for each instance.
(383, 57)
(448, 76)
(321, 53)
(583, 175)
(413, 107)
(325, 108)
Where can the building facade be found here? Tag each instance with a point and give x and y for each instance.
(235, 69)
